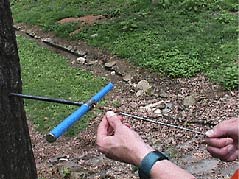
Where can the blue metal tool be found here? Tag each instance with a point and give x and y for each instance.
(61, 128)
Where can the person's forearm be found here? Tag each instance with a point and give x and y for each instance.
(167, 170)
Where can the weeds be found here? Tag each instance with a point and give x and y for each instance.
(178, 38)
(45, 73)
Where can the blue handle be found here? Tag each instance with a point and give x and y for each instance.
(75, 116)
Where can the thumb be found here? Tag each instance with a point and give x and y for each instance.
(217, 131)
(113, 119)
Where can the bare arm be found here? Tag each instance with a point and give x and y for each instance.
(167, 170)
(118, 142)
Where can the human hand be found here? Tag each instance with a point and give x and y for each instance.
(118, 142)
(222, 140)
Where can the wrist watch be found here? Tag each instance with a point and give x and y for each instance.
(147, 163)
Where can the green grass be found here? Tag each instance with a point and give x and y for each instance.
(45, 73)
(177, 38)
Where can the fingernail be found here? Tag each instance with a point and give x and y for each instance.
(110, 114)
(209, 133)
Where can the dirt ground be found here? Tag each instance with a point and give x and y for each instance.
(78, 157)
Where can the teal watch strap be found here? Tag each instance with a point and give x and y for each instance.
(147, 163)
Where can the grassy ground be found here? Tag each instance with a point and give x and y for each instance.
(45, 73)
(178, 38)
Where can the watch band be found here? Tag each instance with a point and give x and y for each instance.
(147, 163)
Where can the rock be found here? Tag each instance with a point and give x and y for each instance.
(169, 105)
(80, 53)
(144, 85)
(139, 93)
(189, 101)
(47, 40)
(81, 60)
(53, 160)
(92, 62)
(109, 65)
(37, 37)
(94, 35)
(168, 108)
(158, 111)
(30, 33)
(17, 27)
(59, 158)
(113, 73)
(127, 78)
(69, 48)
(158, 105)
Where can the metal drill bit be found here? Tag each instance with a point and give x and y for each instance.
(40, 98)
(161, 123)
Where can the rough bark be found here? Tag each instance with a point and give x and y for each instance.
(16, 156)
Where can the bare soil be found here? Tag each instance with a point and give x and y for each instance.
(78, 157)
(82, 21)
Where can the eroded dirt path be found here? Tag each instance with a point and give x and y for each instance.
(195, 103)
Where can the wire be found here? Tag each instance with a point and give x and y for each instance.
(158, 122)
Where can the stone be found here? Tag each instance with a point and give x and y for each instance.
(139, 93)
(166, 110)
(53, 160)
(113, 73)
(94, 35)
(158, 105)
(92, 62)
(110, 64)
(69, 48)
(37, 37)
(189, 101)
(144, 85)
(81, 60)
(127, 78)
(169, 105)
(80, 53)
(158, 111)
(48, 40)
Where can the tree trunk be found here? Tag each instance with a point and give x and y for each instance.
(16, 156)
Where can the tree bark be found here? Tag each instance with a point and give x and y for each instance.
(16, 156)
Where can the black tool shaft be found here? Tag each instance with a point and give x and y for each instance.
(63, 101)
(40, 98)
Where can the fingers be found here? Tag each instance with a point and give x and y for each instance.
(217, 131)
(227, 128)
(102, 129)
(233, 157)
(218, 142)
(113, 119)
(227, 153)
